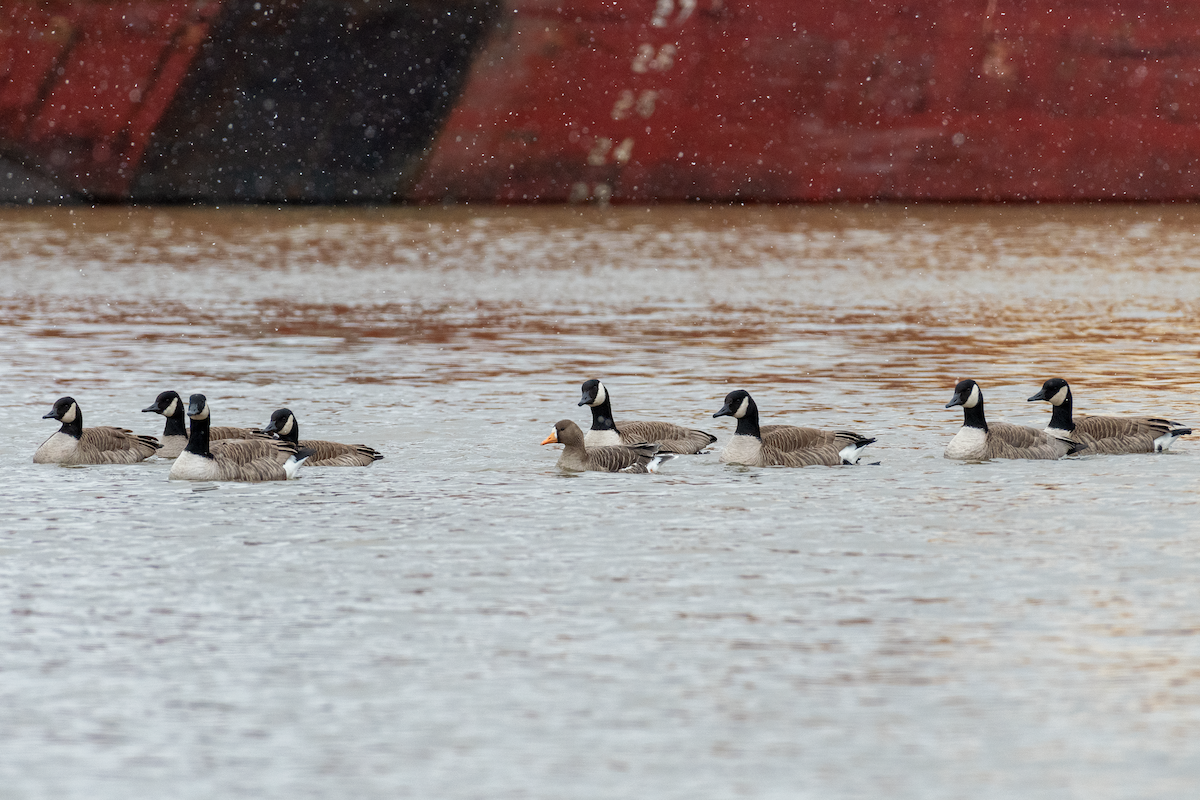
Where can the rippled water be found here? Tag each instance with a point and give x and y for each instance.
(462, 621)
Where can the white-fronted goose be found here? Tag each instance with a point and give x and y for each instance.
(75, 444)
(325, 454)
(175, 434)
(783, 445)
(576, 455)
(198, 463)
(1113, 435)
(605, 432)
(976, 440)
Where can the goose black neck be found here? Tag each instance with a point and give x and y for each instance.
(198, 440)
(973, 417)
(602, 419)
(748, 424)
(74, 429)
(1062, 417)
(292, 435)
(177, 422)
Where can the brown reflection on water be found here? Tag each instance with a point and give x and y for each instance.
(901, 298)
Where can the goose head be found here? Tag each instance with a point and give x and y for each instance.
(167, 403)
(966, 394)
(565, 432)
(594, 393)
(65, 410)
(1054, 391)
(737, 404)
(282, 422)
(197, 407)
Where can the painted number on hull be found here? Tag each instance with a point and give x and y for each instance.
(643, 104)
(603, 148)
(665, 9)
(648, 58)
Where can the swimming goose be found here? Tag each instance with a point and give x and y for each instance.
(1112, 435)
(576, 455)
(606, 433)
(325, 454)
(976, 440)
(175, 435)
(783, 445)
(75, 444)
(198, 463)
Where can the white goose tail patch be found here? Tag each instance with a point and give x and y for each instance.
(1166, 440)
(658, 460)
(851, 453)
(292, 465)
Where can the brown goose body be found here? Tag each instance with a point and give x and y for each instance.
(1106, 434)
(977, 440)
(175, 432)
(605, 432)
(324, 454)
(753, 445)
(641, 458)
(200, 463)
(75, 444)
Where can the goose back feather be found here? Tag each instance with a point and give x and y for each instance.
(643, 457)
(605, 432)
(199, 463)
(977, 440)
(1106, 434)
(283, 423)
(755, 445)
(175, 432)
(75, 444)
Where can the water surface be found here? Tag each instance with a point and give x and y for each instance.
(461, 620)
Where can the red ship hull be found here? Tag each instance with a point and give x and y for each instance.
(778, 100)
(599, 100)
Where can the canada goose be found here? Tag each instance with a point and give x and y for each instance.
(325, 454)
(75, 444)
(976, 440)
(175, 435)
(576, 455)
(198, 463)
(783, 445)
(1113, 435)
(606, 433)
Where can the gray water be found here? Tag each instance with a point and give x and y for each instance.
(461, 620)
